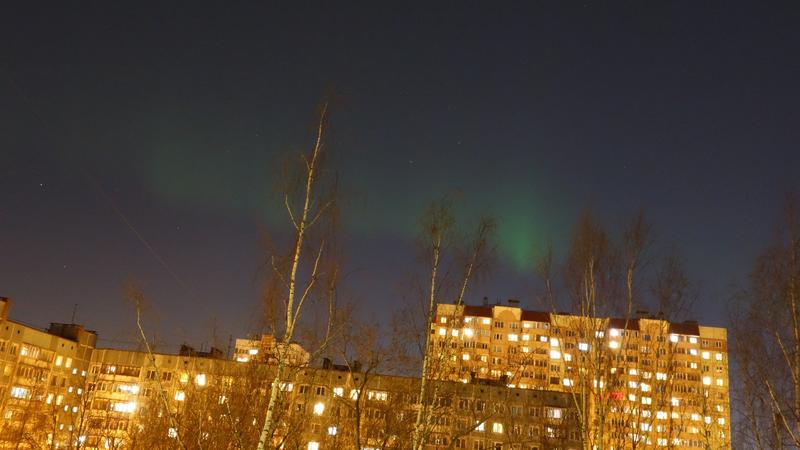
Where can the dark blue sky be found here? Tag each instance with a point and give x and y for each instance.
(532, 111)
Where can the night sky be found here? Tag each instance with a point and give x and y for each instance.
(173, 117)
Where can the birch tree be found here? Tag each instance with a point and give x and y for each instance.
(439, 234)
(301, 270)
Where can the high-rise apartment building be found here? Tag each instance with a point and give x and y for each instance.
(639, 382)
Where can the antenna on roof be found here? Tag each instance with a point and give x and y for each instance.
(74, 311)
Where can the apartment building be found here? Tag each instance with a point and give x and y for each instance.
(638, 382)
(266, 349)
(41, 375)
(60, 391)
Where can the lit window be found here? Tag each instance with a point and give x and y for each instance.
(718, 356)
(171, 433)
(129, 388)
(554, 413)
(543, 339)
(673, 338)
(568, 382)
(721, 421)
(377, 395)
(313, 445)
(19, 392)
(647, 401)
(497, 427)
(676, 401)
(583, 346)
(567, 357)
(253, 351)
(633, 384)
(706, 381)
(693, 351)
(59, 360)
(454, 333)
(525, 350)
(68, 363)
(706, 355)
(555, 354)
(645, 387)
(661, 415)
(443, 319)
(526, 337)
(486, 321)
(553, 342)
(513, 337)
(469, 332)
(319, 408)
(287, 387)
(442, 331)
(661, 376)
(49, 399)
(719, 382)
(480, 426)
(633, 372)
(613, 344)
(354, 393)
(465, 356)
(180, 396)
(332, 431)
(692, 340)
(338, 392)
(632, 397)
(613, 332)
(200, 379)
(124, 407)
(467, 319)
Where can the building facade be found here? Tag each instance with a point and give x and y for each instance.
(637, 382)
(60, 391)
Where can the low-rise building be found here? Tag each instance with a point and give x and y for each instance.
(60, 391)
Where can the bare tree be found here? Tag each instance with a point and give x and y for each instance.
(306, 208)
(439, 232)
(766, 336)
